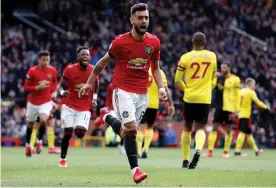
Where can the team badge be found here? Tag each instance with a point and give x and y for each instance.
(49, 76)
(148, 50)
(125, 114)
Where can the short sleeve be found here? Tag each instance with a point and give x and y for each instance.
(215, 62)
(29, 74)
(65, 73)
(156, 54)
(183, 61)
(114, 49)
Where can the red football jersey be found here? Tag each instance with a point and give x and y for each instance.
(36, 75)
(132, 61)
(108, 99)
(76, 79)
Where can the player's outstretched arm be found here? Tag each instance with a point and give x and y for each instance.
(95, 73)
(178, 79)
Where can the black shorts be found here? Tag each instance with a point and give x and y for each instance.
(245, 125)
(149, 116)
(196, 112)
(222, 117)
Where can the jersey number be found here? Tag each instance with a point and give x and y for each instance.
(197, 66)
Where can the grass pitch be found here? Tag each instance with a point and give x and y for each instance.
(105, 167)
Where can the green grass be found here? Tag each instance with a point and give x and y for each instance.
(95, 167)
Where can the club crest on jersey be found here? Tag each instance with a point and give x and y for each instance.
(125, 114)
(148, 50)
(49, 76)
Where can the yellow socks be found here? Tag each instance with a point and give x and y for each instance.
(200, 139)
(148, 139)
(240, 141)
(139, 140)
(251, 142)
(228, 141)
(185, 143)
(33, 137)
(50, 137)
(212, 140)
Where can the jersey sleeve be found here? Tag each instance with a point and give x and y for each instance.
(215, 62)
(28, 85)
(156, 53)
(65, 74)
(257, 101)
(114, 49)
(165, 81)
(178, 79)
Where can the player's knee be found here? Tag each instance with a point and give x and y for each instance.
(68, 132)
(130, 129)
(80, 131)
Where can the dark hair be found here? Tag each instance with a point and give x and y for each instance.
(226, 63)
(43, 53)
(79, 49)
(138, 7)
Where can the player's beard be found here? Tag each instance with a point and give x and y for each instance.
(138, 30)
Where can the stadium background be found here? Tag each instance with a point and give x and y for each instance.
(94, 23)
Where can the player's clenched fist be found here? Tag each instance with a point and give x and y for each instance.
(163, 94)
(84, 90)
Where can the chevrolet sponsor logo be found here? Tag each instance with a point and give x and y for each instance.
(138, 61)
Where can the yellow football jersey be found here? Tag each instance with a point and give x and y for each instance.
(246, 97)
(227, 93)
(153, 91)
(197, 67)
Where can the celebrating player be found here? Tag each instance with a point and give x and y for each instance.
(198, 68)
(247, 95)
(150, 115)
(134, 52)
(41, 81)
(75, 111)
(227, 103)
(50, 135)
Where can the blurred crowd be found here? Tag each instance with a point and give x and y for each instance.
(95, 23)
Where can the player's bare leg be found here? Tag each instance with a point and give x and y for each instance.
(28, 138)
(186, 142)
(200, 137)
(148, 138)
(212, 138)
(51, 137)
(228, 141)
